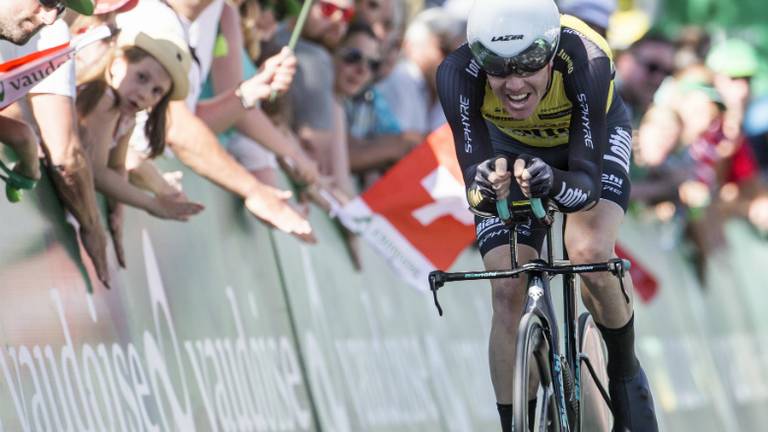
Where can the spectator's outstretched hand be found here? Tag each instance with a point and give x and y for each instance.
(95, 244)
(271, 206)
(276, 75)
(175, 206)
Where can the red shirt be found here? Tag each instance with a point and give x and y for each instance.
(704, 151)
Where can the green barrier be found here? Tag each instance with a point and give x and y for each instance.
(377, 355)
(222, 324)
(697, 343)
(193, 336)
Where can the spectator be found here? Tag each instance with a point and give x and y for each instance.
(383, 16)
(714, 176)
(640, 71)
(411, 90)
(318, 121)
(375, 138)
(693, 43)
(245, 135)
(259, 24)
(22, 19)
(744, 194)
(655, 179)
(145, 71)
(734, 62)
(191, 140)
(51, 103)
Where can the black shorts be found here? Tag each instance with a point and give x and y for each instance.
(490, 232)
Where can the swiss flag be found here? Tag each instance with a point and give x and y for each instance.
(416, 215)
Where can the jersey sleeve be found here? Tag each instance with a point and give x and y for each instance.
(461, 88)
(587, 86)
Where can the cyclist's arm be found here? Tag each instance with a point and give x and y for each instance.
(587, 87)
(461, 94)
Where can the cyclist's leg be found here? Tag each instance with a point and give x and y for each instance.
(508, 296)
(590, 237)
(507, 299)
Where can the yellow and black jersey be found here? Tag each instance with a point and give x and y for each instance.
(575, 114)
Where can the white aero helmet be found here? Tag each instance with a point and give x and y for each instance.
(513, 36)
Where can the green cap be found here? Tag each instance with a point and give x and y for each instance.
(733, 57)
(83, 7)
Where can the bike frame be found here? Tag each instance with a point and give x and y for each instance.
(539, 302)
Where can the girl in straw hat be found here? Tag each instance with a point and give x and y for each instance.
(143, 71)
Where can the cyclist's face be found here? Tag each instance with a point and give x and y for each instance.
(521, 95)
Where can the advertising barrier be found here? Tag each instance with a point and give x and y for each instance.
(221, 324)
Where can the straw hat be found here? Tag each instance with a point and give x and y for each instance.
(167, 47)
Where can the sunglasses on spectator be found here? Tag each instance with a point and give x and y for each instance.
(53, 4)
(353, 56)
(329, 9)
(653, 67)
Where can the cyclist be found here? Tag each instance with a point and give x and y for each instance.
(536, 88)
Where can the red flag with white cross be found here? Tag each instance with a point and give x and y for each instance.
(416, 215)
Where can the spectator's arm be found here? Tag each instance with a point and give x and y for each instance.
(662, 185)
(71, 172)
(22, 139)
(381, 151)
(226, 108)
(197, 147)
(257, 126)
(145, 175)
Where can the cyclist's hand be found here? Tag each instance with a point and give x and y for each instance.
(500, 178)
(534, 176)
(488, 184)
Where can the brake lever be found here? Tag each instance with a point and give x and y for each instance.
(619, 267)
(436, 281)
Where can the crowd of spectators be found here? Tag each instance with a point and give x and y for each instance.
(197, 80)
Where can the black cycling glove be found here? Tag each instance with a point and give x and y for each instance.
(542, 176)
(480, 193)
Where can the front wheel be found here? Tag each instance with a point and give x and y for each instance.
(533, 379)
(594, 412)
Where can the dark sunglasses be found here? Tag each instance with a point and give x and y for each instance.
(329, 9)
(354, 56)
(53, 4)
(654, 67)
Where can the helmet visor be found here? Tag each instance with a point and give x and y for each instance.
(530, 60)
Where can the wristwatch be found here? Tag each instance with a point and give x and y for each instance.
(243, 101)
